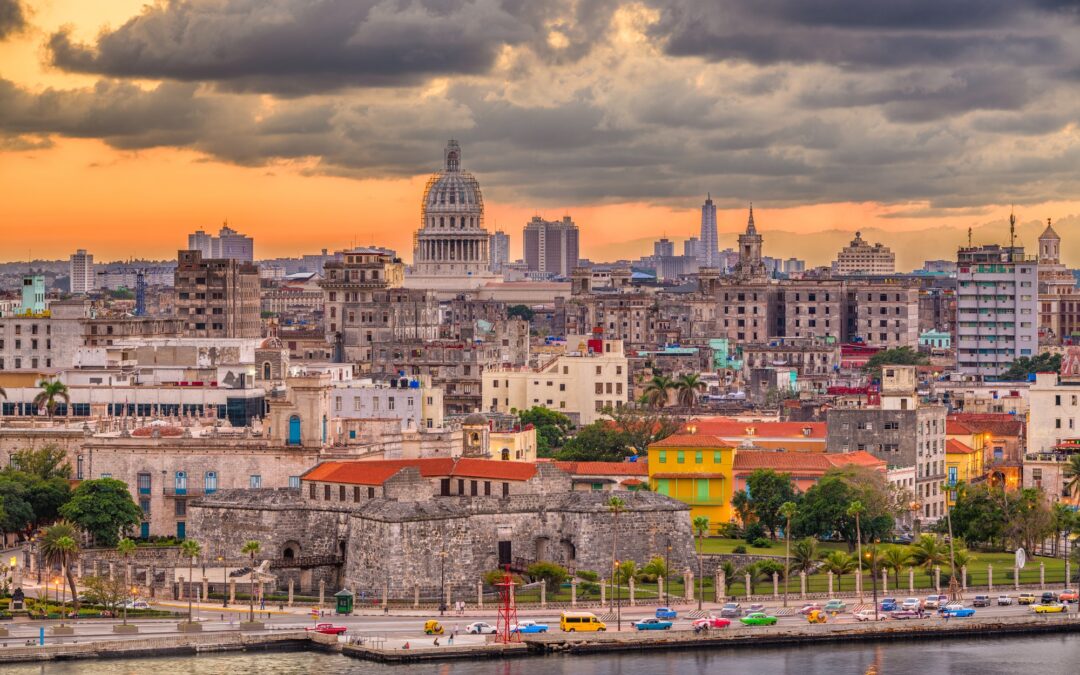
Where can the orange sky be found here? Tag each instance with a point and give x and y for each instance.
(83, 194)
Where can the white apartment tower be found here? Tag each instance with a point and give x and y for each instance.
(81, 266)
(708, 244)
(997, 308)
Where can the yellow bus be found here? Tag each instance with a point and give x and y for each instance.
(581, 622)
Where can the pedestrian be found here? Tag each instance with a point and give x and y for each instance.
(406, 645)
(436, 642)
(450, 641)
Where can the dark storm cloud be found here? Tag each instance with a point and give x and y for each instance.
(859, 34)
(294, 47)
(12, 19)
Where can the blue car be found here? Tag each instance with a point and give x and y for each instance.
(958, 612)
(652, 624)
(529, 627)
(666, 613)
(889, 605)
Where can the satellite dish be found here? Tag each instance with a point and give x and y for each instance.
(1021, 558)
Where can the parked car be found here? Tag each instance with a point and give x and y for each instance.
(806, 609)
(731, 610)
(480, 628)
(981, 601)
(934, 601)
(527, 626)
(1004, 600)
(711, 622)
(870, 615)
(326, 629)
(758, 619)
(1049, 607)
(889, 605)
(666, 613)
(835, 606)
(911, 604)
(958, 611)
(651, 624)
(905, 614)
(1068, 595)
(1026, 598)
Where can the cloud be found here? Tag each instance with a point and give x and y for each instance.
(295, 47)
(12, 19)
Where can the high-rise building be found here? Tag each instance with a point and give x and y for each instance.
(860, 257)
(997, 308)
(664, 248)
(81, 265)
(499, 244)
(551, 246)
(228, 244)
(691, 247)
(217, 297)
(451, 241)
(708, 246)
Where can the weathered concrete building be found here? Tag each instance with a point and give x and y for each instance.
(434, 527)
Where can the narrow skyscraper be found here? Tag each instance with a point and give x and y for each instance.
(708, 245)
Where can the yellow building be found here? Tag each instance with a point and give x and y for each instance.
(963, 464)
(695, 469)
(514, 445)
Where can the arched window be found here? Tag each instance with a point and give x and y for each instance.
(266, 370)
(442, 222)
(451, 221)
(506, 454)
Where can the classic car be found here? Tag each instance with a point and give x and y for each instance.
(1049, 608)
(526, 626)
(652, 624)
(480, 628)
(711, 622)
(666, 613)
(326, 628)
(758, 619)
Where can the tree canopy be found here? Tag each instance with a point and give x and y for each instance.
(823, 510)
(104, 508)
(521, 312)
(596, 442)
(551, 428)
(898, 356)
(1029, 365)
(766, 492)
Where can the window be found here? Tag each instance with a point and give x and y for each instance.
(78, 463)
(680, 457)
(699, 457)
(355, 493)
(311, 491)
(371, 493)
(717, 457)
(472, 488)
(506, 489)
(144, 504)
(662, 456)
(326, 493)
(341, 493)
(255, 481)
(181, 507)
(210, 482)
(294, 482)
(952, 476)
(142, 480)
(180, 483)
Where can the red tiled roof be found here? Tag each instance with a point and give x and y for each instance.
(375, 472)
(955, 427)
(996, 424)
(955, 447)
(801, 462)
(692, 441)
(604, 468)
(725, 427)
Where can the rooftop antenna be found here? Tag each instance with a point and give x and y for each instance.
(969, 237)
(1012, 228)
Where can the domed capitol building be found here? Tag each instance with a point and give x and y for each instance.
(452, 243)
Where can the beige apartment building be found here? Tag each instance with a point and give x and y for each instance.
(580, 383)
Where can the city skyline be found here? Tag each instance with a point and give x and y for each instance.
(145, 153)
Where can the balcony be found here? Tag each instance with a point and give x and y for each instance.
(187, 491)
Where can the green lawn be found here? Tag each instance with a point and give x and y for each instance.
(718, 545)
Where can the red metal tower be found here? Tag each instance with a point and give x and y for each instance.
(507, 610)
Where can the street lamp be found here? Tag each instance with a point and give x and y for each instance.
(667, 572)
(618, 599)
(871, 556)
(224, 582)
(442, 583)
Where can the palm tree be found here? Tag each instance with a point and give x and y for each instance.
(854, 510)
(126, 549)
(688, 387)
(68, 550)
(787, 510)
(758, 571)
(251, 548)
(929, 551)
(51, 390)
(616, 506)
(805, 556)
(190, 549)
(55, 553)
(961, 559)
(1071, 473)
(701, 528)
(656, 391)
(729, 574)
(839, 563)
(896, 558)
(654, 569)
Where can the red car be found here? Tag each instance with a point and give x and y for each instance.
(327, 628)
(809, 608)
(711, 622)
